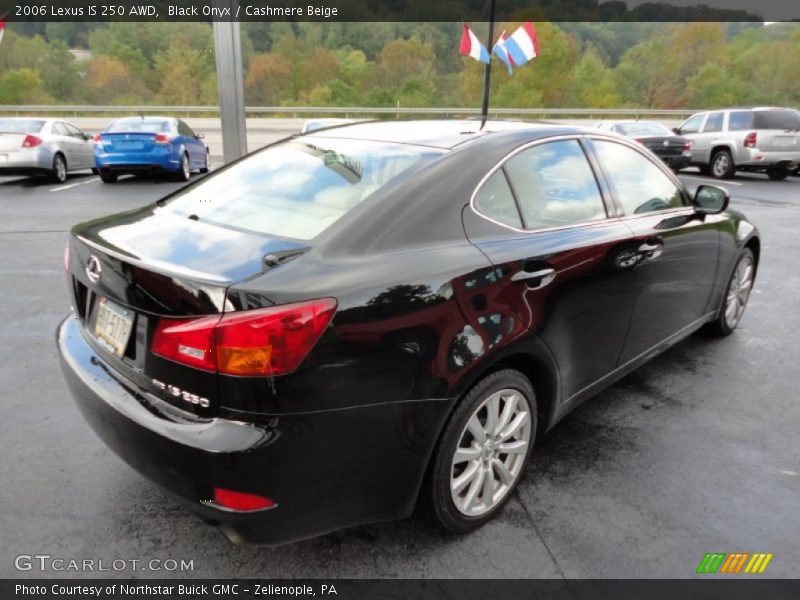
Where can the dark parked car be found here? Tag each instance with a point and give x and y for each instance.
(149, 145)
(674, 150)
(346, 323)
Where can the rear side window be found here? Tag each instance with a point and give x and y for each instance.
(776, 119)
(641, 186)
(555, 186)
(299, 188)
(60, 129)
(713, 123)
(740, 120)
(496, 201)
(138, 126)
(21, 125)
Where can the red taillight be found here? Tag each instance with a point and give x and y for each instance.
(640, 140)
(31, 141)
(162, 138)
(750, 140)
(266, 341)
(98, 138)
(187, 341)
(240, 501)
(687, 148)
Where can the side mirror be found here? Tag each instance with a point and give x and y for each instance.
(676, 130)
(711, 200)
(199, 136)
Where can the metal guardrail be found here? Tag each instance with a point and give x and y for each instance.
(347, 111)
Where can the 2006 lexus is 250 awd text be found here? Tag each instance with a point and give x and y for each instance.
(350, 323)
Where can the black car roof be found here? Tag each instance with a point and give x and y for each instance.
(445, 134)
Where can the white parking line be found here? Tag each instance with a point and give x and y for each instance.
(72, 185)
(710, 180)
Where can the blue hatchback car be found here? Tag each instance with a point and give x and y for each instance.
(142, 145)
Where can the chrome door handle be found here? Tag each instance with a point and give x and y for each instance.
(653, 250)
(544, 277)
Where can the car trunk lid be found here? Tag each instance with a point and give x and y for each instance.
(128, 142)
(11, 142)
(128, 271)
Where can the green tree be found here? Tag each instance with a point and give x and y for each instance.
(22, 86)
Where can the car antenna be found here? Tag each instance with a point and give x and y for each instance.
(487, 70)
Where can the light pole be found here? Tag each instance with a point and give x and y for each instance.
(230, 82)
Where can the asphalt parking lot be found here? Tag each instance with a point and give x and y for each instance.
(696, 452)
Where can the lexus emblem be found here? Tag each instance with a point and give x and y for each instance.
(666, 143)
(93, 269)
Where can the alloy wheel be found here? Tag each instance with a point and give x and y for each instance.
(721, 165)
(490, 452)
(185, 167)
(739, 292)
(60, 169)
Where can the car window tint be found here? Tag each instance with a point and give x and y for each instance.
(74, 131)
(60, 129)
(21, 125)
(555, 185)
(713, 123)
(777, 119)
(297, 189)
(693, 124)
(640, 185)
(740, 120)
(184, 129)
(139, 126)
(496, 201)
(644, 129)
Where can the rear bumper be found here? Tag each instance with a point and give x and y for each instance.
(144, 162)
(325, 471)
(676, 162)
(26, 161)
(755, 158)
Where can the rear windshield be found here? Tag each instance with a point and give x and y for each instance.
(299, 188)
(635, 129)
(21, 125)
(777, 119)
(138, 125)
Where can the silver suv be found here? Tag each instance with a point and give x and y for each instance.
(744, 139)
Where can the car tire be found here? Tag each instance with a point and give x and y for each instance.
(777, 174)
(184, 173)
(722, 166)
(108, 177)
(456, 484)
(58, 173)
(204, 168)
(737, 292)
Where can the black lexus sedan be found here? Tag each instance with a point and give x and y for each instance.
(347, 324)
(674, 150)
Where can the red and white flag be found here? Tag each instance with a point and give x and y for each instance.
(2, 26)
(470, 46)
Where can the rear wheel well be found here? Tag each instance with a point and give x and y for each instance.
(540, 378)
(716, 149)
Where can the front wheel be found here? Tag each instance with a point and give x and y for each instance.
(722, 166)
(736, 295)
(482, 452)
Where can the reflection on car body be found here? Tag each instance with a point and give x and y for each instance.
(387, 313)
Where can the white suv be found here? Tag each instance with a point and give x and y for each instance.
(744, 139)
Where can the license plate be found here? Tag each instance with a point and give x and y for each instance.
(783, 142)
(113, 326)
(130, 145)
